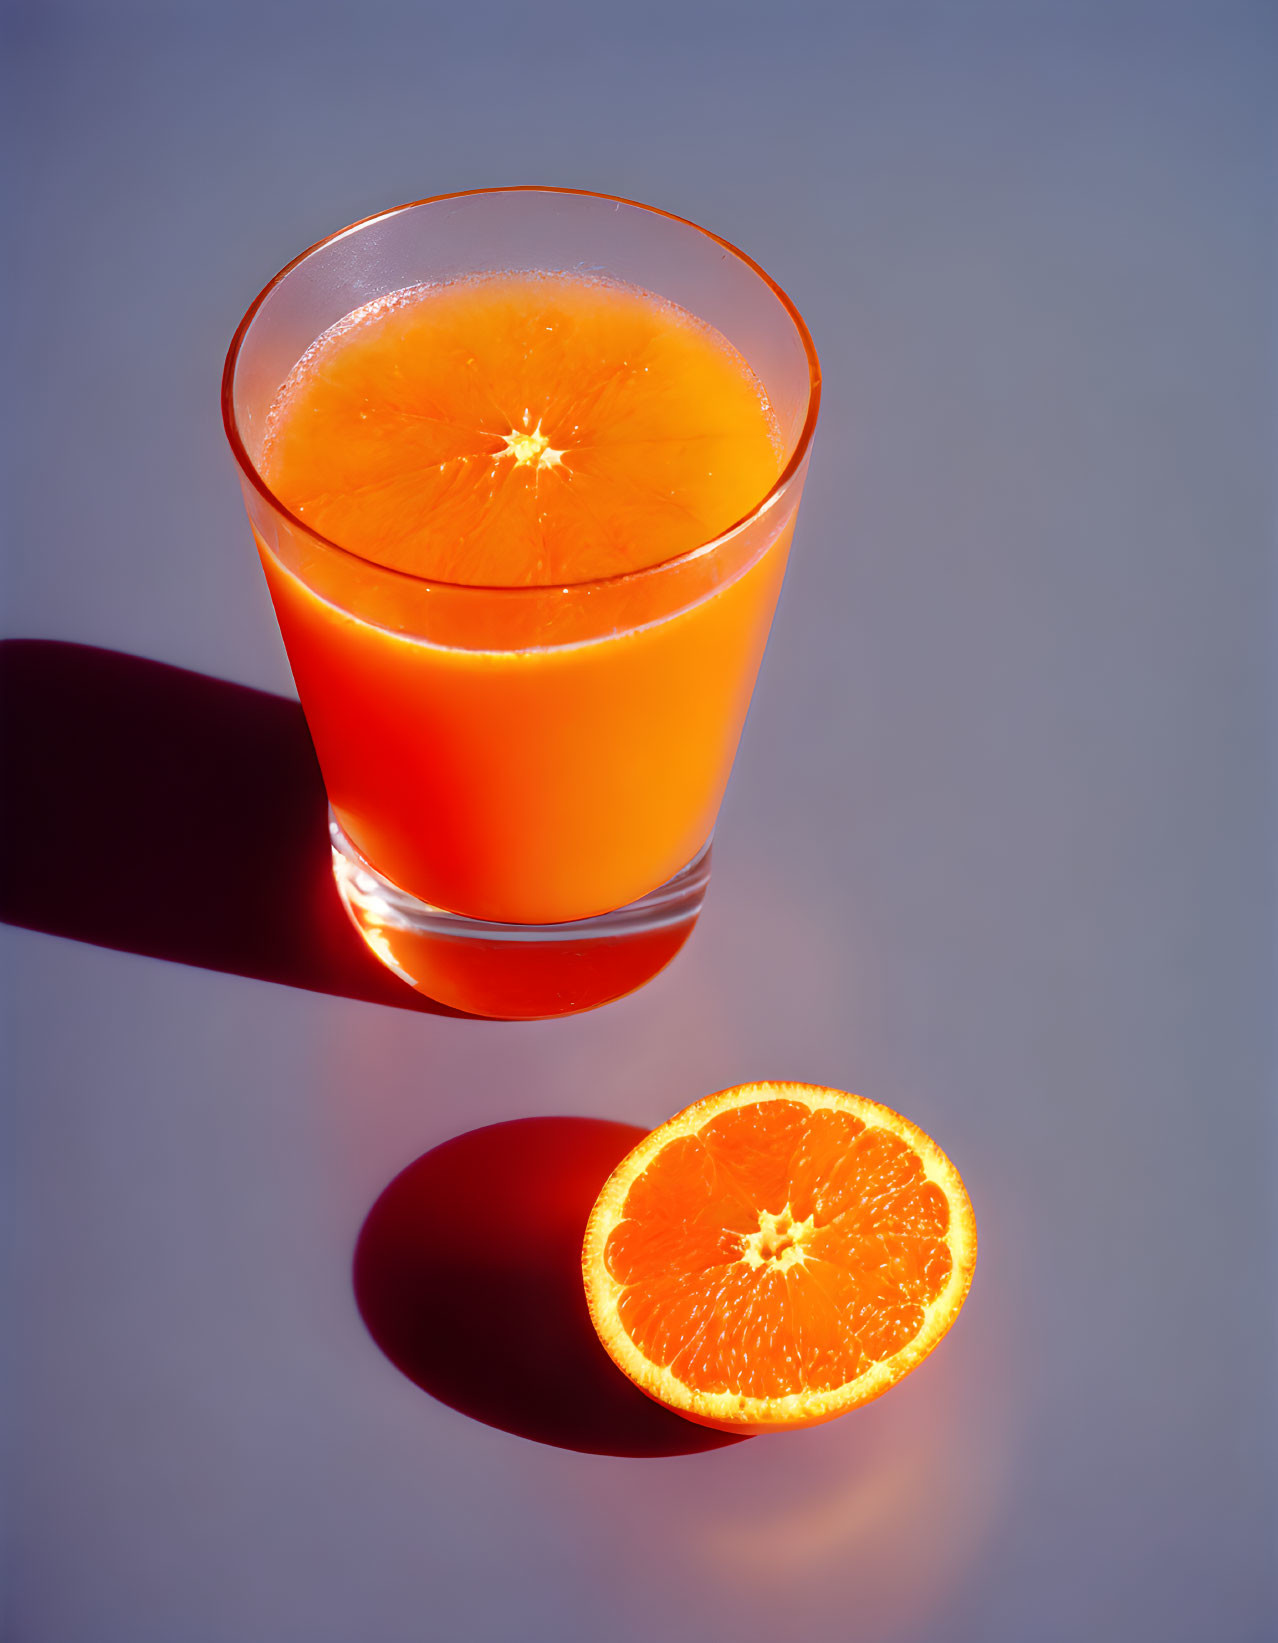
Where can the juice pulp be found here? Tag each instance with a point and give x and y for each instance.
(525, 432)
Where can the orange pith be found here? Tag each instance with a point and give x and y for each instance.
(521, 429)
(776, 1255)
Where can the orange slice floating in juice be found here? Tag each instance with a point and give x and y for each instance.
(776, 1255)
(521, 429)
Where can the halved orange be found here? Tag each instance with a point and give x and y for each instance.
(776, 1255)
(517, 429)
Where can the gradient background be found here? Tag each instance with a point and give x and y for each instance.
(997, 851)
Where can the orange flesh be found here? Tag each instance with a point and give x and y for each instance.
(779, 1250)
(528, 431)
(517, 430)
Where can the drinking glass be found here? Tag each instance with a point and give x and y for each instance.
(523, 781)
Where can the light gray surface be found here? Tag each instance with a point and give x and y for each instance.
(997, 850)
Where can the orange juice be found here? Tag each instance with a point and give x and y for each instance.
(515, 443)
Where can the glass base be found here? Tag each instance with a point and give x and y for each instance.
(518, 972)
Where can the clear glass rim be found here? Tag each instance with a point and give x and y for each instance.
(249, 470)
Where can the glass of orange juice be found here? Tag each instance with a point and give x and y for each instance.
(522, 466)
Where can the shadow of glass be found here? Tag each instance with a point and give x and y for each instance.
(467, 1273)
(163, 812)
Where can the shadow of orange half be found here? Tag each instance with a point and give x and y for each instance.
(467, 1273)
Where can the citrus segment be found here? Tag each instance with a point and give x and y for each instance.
(777, 1254)
(521, 429)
